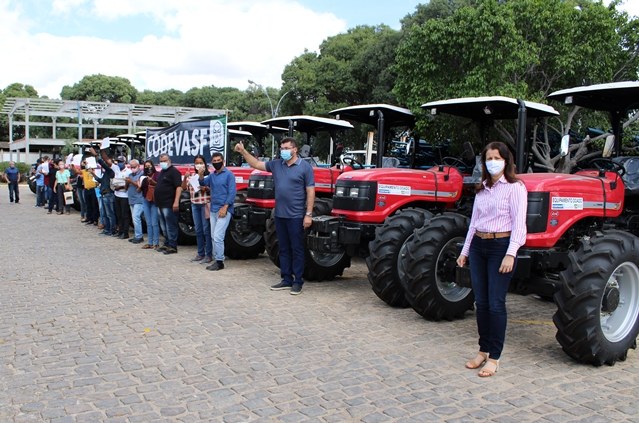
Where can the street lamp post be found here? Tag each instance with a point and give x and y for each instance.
(274, 111)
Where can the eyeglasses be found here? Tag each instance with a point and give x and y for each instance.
(286, 148)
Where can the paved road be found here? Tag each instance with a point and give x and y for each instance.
(96, 329)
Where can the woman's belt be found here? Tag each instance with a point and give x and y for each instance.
(492, 235)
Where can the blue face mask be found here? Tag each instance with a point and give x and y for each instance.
(121, 165)
(286, 155)
(164, 165)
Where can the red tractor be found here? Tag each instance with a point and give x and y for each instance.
(252, 220)
(581, 249)
(376, 210)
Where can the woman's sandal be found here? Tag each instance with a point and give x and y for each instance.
(489, 369)
(476, 362)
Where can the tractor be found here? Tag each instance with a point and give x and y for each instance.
(581, 248)
(376, 210)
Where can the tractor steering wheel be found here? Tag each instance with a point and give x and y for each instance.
(453, 161)
(605, 164)
(349, 161)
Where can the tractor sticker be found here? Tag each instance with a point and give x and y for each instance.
(567, 203)
(393, 189)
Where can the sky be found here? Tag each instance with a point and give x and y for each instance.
(181, 44)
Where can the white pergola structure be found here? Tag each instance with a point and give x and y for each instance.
(87, 115)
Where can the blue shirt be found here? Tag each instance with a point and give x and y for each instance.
(223, 189)
(135, 196)
(290, 186)
(13, 174)
(39, 177)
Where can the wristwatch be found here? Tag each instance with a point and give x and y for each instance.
(308, 214)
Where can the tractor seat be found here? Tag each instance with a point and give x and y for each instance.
(390, 162)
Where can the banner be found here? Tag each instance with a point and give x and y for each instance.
(185, 140)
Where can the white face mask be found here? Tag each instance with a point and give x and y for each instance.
(199, 166)
(495, 167)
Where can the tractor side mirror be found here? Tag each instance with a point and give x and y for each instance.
(565, 142)
(608, 146)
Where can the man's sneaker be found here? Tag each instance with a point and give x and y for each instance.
(218, 265)
(296, 289)
(161, 249)
(197, 258)
(280, 286)
(170, 250)
(206, 260)
(136, 240)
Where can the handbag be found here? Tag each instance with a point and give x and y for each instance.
(150, 190)
(68, 198)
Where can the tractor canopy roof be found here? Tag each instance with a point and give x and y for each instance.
(495, 107)
(614, 96)
(307, 124)
(368, 113)
(255, 128)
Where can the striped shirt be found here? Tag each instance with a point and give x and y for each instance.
(501, 208)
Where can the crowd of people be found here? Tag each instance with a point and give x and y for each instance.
(114, 193)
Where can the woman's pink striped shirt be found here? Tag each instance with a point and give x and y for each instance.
(501, 208)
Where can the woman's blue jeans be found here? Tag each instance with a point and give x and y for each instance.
(490, 288)
(152, 223)
(202, 230)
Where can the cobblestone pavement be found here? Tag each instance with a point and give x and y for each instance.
(136, 336)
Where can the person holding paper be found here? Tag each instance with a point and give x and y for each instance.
(221, 184)
(200, 200)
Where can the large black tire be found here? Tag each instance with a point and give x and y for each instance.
(317, 266)
(241, 246)
(383, 272)
(186, 227)
(430, 259)
(597, 316)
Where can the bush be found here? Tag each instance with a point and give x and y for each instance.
(25, 170)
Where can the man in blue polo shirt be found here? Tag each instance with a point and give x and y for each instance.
(294, 199)
(12, 175)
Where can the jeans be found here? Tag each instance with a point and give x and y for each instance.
(60, 192)
(152, 223)
(202, 230)
(40, 195)
(47, 195)
(108, 209)
(136, 213)
(169, 224)
(218, 230)
(91, 202)
(290, 236)
(490, 288)
(14, 192)
(53, 200)
(123, 215)
(83, 204)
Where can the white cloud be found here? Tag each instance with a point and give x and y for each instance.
(198, 43)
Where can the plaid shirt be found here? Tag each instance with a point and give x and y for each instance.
(199, 197)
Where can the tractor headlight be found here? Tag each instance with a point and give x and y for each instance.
(354, 192)
(339, 191)
(261, 184)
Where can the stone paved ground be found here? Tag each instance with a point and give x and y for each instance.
(96, 329)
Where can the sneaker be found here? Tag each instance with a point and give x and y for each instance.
(218, 265)
(280, 286)
(136, 240)
(296, 289)
(161, 249)
(170, 250)
(206, 260)
(197, 258)
(115, 235)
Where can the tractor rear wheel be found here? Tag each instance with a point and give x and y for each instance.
(597, 316)
(317, 266)
(384, 274)
(429, 261)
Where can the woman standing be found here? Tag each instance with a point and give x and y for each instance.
(497, 230)
(147, 187)
(62, 178)
(200, 200)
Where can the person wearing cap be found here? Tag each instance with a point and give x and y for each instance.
(122, 209)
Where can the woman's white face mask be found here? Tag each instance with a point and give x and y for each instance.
(495, 166)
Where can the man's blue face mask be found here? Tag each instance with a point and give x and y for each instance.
(286, 155)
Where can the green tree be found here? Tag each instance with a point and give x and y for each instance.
(170, 97)
(20, 91)
(523, 48)
(101, 88)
